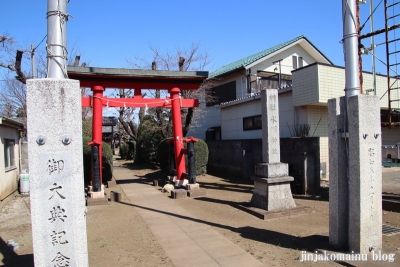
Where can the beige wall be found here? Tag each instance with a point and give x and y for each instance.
(316, 84)
(305, 86)
(8, 179)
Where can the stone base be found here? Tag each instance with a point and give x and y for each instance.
(178, 193)
(111, 183)
(115, 196)
(181, 183)
(193, 186)
(269, 215)
(196, 193)
(270, 170)
(272, 193)
(96, 201)
(171, 178)
(92, 194)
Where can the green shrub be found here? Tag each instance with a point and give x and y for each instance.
(149, 136)
(200, 154)
(201, 157)
(124, 150)
(132, 149)
(163, 150)
(107, 158)
(87, 127)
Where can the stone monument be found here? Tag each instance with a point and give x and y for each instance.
(271, 180)
(355, 190)
(56, 172)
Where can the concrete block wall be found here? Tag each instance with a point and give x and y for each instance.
(238, 158)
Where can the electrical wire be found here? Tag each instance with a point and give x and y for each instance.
(39, 43)
(370, 15)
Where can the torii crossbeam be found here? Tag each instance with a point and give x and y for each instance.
(98, 79)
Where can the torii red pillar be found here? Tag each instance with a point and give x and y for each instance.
(97, 135)
(178, 134)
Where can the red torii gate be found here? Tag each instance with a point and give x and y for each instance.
(98, 79)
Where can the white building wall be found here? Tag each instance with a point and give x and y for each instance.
(286, 63)
(8, 179)
(317, 117)
(209, 117)
(232, 118)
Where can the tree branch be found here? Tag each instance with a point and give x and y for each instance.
(18, 61)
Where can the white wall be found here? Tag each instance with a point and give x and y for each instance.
(8, 179)
(210, 117)
(232, 118)
(286, 63)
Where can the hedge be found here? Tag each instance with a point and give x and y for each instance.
(200, 154)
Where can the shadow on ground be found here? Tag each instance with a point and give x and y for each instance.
(12, 259)
(248, 232)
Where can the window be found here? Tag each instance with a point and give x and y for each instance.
(223, 93)
(294, 60)
(9, 157)
(300, 62)
(252, 123)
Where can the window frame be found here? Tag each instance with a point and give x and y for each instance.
(256, 123)
(9, 154)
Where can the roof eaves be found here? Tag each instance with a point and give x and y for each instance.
(244, 62)
(251, 97)
(11, 123)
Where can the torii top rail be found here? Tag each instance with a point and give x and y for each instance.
(98, 79)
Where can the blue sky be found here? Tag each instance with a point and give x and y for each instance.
(108, 33)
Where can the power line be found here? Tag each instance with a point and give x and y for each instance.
(40, 42)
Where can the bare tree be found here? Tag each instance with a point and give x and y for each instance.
(191, 59)
(17, 62)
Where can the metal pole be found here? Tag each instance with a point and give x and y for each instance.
(191, 161)
(373, 45)
(33, 61)
(280, 75)
(350, 43)
(57, 39)
(388, 64)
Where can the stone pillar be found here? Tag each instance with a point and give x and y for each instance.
(355, 192)
(338, 181)
(56, 172)
(271, 180)
(365, 181)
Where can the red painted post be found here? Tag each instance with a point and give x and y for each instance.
(97, 127)
(178, 134)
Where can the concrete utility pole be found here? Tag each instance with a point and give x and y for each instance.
(33, 61)
(57, 39)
